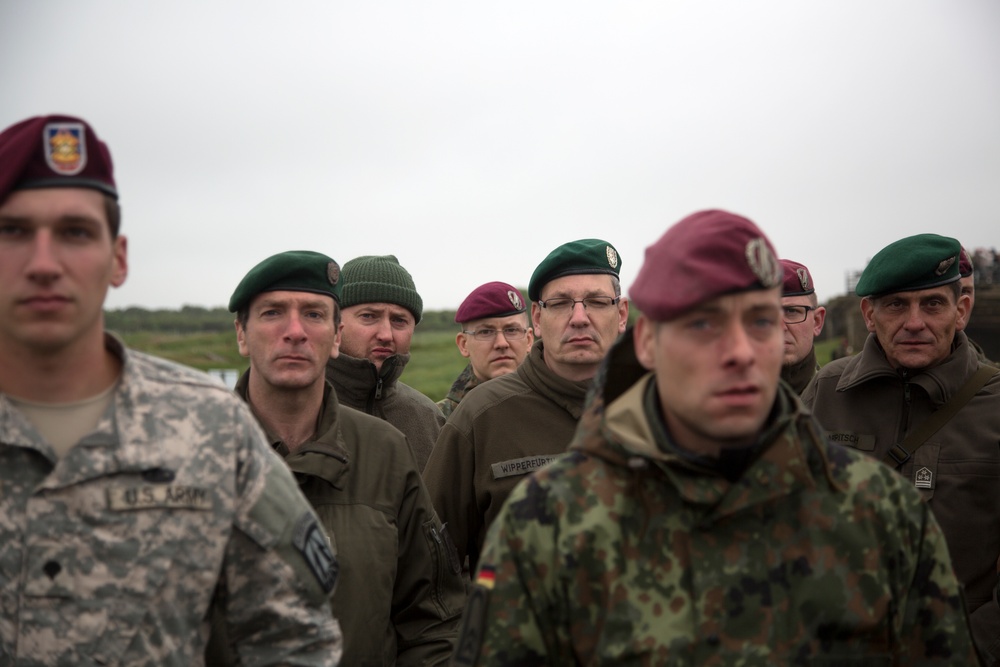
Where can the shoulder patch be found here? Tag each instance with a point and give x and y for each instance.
(520, 466)
(311, 542)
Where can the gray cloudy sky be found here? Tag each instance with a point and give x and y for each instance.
(469, 139)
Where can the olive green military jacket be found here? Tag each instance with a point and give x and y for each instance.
(619, 553)
(401, 592)
(502, 430)
(379, 392)
(118, 553)
(866, 404)
(463, 384)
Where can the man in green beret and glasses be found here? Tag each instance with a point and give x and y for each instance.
(400, 590)
(508, 427)
(919, 398)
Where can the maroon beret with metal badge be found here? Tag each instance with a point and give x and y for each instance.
(704, 256)
(54, 152)
(494, 299)
(797, 281)
(964, 264)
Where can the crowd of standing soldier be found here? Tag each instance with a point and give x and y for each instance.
(586, 493)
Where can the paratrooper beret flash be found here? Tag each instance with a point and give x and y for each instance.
(295, 271)
(706, 255)
(494, 299)
(576, 257)
(914, 263)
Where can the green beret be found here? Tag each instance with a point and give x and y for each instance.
(295, 271)
(380, 279)
(914, 263)
(575, 257)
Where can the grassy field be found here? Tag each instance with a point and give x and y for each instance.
(434, 363)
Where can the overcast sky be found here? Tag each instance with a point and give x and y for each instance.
(469, 139)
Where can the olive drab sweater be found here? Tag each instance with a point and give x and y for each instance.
(379, 392)
(502, 430)
(866, 404)
(623, 552)
(400, 593)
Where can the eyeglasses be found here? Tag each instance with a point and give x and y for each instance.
(510, 333)
(795, 314)
(564, 305)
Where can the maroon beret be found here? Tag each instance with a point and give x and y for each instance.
(798, 281)
(705, 255)
(494, 299)
(54, 152)
(964, 264)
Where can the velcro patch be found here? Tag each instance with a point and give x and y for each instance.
(519, 466)
(159, 496)
(865, 443)
(311, 542)
(470, 637)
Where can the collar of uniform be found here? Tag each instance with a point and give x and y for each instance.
(798, 374)
(565, 393)
(465, 382)
(940, 382)
(354, 379)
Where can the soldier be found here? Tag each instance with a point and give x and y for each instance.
(514, 424)
(136, 495)
(495, 338)
(401, 593)
(381, 309)
(967, 281)
(802, 321)
(918, 398)
(699, 517)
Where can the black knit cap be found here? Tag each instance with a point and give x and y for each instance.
(380, 279)
(294, 271)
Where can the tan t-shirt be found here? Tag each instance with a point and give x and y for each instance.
(64, 424)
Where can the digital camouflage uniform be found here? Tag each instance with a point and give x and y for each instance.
(360, 385)
(500, 432)
(463, 384)
(116, 553)
(866, 404)
(400, 594)
(623, 553)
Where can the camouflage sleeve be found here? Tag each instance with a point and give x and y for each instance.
(513, 611)
(429, 591)
(450, 479)
(279, 571)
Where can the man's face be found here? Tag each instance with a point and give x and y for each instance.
(288, 337)
(498, 355)
(717, 368)
(798, 338)
(376, 331)
(916, 329)
(968, 284)
(577, 338)
(57, 260)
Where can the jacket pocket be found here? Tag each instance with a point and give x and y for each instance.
(445, 566)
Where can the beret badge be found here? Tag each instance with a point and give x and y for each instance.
(943, 267)
(65, 148)
(763, 263)
(333, 272)
(612, 257)
(803, 278)
(515, 300)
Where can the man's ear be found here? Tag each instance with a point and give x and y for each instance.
(462, 341)
(644, 333)
(868, 312)
(819, 318)
(241, 339)
(120, 270)
(964, 310)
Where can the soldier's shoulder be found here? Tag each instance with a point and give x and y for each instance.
(488, 395)
(356, 423)
(163, 371)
